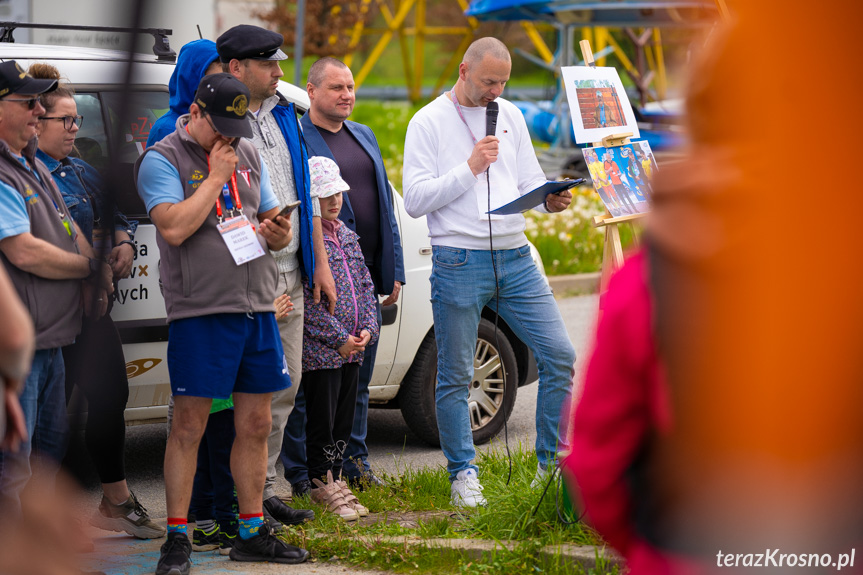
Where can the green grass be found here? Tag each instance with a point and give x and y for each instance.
(389, 121)
(567, 241)
(514, 513)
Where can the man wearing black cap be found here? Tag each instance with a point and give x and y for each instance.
(46, 258)
(252, 55)
(209, 195)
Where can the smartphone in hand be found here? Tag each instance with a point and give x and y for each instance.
(286, 211)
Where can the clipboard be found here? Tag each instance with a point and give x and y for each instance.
(535, 197)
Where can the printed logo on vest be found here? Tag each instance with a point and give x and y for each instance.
(196, 179)
(30, 196)
(245, 171)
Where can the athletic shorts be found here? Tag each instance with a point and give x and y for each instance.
(220, 354)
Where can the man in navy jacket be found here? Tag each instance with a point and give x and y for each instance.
(369, 211)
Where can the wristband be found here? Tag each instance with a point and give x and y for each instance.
(131, 243)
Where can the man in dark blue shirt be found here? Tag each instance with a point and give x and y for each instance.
(369, 211)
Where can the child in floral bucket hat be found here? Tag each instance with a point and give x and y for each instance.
(333, 347)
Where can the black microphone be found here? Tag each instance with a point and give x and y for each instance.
(491, 118)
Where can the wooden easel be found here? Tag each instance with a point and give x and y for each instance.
(612, 251)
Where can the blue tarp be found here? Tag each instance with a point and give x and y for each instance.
(608, 13)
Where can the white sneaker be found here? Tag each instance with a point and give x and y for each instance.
(466, 490)
(543, 474)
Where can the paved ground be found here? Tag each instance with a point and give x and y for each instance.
(124, 555)
(392, 446)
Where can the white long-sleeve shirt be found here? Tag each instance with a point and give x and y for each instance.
(438, 182)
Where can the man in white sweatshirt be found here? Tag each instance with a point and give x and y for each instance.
(446, 158)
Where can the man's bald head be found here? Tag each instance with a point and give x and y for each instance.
(486, 46)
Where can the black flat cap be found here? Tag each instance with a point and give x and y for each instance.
(250, 42)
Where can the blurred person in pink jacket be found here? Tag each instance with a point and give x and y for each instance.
(720, 422)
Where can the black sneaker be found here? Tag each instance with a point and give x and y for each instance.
(286, 514)
(367, 479)
(175, 558)
(302, 488)
(226, 542)
(265, 546)
(205, 540)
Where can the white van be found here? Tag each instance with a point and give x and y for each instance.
(405, 369)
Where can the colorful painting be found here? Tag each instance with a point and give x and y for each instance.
(621, 176)
(598, 104)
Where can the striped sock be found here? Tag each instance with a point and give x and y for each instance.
(250, 523)
(205, 525)
(177, 525)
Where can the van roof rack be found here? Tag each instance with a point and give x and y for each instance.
(161, 48)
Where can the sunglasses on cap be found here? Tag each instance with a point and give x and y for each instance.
(67, 120)
(31, 102)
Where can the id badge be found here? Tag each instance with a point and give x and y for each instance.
(241, 239)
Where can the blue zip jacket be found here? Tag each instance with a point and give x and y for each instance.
(392, 261)
(285, 114)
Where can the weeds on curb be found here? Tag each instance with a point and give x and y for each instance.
(414, 507)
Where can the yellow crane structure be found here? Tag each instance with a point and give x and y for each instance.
(406, 21)
(397, 25)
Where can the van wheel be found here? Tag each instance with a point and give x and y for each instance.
(492, 392)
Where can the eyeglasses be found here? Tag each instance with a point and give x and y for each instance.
(31, 102)
(210, 122)
(213, 126)
(67, 120)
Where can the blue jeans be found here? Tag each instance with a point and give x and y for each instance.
(43, 401)
(293, 453)
(462, 284)
(356, 455)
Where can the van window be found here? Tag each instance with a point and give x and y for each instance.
(133, 130)
(91, 141)
(123, 141)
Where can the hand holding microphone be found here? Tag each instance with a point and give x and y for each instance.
(485, 151)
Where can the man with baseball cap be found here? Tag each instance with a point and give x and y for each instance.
(252, 54)
(46, 257)
(208, 192)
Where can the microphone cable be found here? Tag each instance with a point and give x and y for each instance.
(491, 113)
(496, 335)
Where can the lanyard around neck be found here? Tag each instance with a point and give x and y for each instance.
(461, 115)
(63, 217)
(66, 221)
(228, 192)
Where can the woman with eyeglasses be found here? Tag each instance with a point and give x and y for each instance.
(95, 362)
